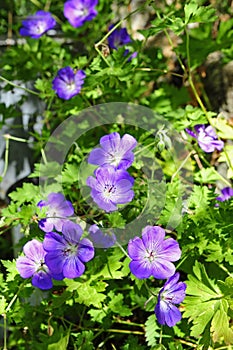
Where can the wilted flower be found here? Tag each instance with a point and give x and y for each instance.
(58, 209)
(152, 254)
(33, 265)
(80, 11)
(36, 25)
(101, 239)
(227, 193)
(68, 83)
(111, 187)
(114, 150)
(173, 292)
(206, 138)
(67, 253)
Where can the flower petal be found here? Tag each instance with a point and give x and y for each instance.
(72, 232)
(136, 249)
(86, 250)
(141, 268)
(42, 280)
(162, 268)
(153, 237)
(34, 250)
(167, 313)
(169, 250)
(26, 267)
(73, 267)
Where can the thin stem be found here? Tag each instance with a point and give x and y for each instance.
(182, 164)
(223, 268)
(14, 138)
(103, 57)
(122, 249)
(6, 158)
(142, 149)
(5, 332)
(215, 171)
(7, 138)
(18, 86)
(43, 156)
(161, 336)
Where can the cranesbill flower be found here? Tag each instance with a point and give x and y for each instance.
(33, 265)
(101, 239)
(152, 255)
(111, 187)
(119, 37)
(58, 209)
(80, 11)
(173, 292)
(36, 25)
(227, 193)
(206, 138)
(114, 150)
(67, 253)
(68, 83)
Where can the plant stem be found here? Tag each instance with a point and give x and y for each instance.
(5, 332)
(122, 249)
(182, 164)
(18, 86)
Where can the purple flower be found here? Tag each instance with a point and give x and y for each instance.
(114, 151)
(35, 26)
(80, 11)
(58, 209)
(206, 138)
(227, 193)
(152, 254)
(66, 253)
(111, 187)
(68, 83)
(33, 265)
(101, 239)
(171, 293)
(119, 37)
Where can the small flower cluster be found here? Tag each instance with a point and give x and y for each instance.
(112, 184)
(62, 254)
(67, 83)
(153, 255)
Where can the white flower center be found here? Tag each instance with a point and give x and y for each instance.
(109, 190)
(150, 255)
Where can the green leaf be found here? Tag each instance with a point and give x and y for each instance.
(189, 10)
(227, 157)
(152, 331)
(116, 304)
(220, 324)
(204, 304)
(207, 175)
(61, 344)
(224, 130)
(11, 269)
(193, 13)
(2, 304)
(87, 294)
(70, 174)
(27, 193)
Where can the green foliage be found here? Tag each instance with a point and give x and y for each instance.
(175, 186)
(207, 307)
